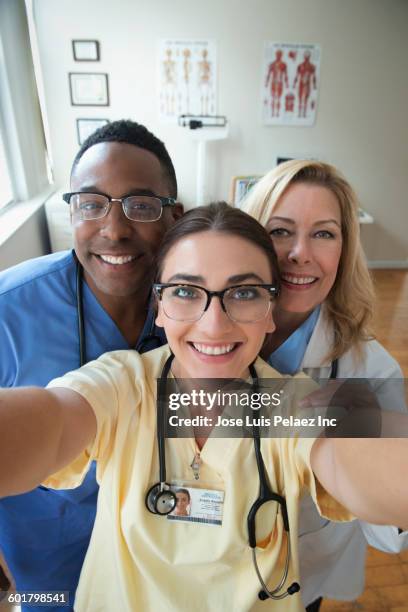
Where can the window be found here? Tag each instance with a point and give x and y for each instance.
(6, 194)
(23, 169)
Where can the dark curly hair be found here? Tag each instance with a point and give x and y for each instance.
(135, 134)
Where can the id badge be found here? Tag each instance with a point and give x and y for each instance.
(197, 504)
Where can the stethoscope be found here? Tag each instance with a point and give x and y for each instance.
(334, 368)
(149, 342)
(161, 500)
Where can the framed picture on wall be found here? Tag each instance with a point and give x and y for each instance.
(86, 50)
(85, 127)
(240, 185)
(89, 88)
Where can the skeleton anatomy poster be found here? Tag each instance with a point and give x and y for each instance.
(187, 78)
(290, 83)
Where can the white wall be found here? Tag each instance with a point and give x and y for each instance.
(361, 122)
(29, 240)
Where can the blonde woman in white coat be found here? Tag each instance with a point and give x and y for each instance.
(323, 327)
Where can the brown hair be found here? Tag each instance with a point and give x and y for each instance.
(350, 302)
(185, 491)
(219, 217)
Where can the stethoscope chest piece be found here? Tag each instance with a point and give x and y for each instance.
(160, 499)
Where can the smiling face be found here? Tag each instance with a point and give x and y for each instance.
(118, 254)
(183, 500)
(305, 228)
(214, 346)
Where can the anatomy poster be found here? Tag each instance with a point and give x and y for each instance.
(290, 83)
(187, 78)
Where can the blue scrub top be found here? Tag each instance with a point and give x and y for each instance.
(44, 534)
(288, 357)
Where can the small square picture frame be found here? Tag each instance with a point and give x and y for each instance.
(240, 185)
(89, 88)
(87, 125)
(86, 50)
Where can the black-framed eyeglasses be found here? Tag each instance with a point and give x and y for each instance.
(89, 206)
(242, 303)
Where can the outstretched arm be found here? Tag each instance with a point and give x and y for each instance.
(41, 431)
(367, 476)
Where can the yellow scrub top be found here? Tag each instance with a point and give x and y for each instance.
(138, 561)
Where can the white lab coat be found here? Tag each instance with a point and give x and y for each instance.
(332, 555)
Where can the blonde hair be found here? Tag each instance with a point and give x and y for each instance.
(349, 304)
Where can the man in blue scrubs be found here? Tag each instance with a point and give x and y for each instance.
(44, 534)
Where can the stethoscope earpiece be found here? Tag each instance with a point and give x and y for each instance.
(160, 499)
(294, 588)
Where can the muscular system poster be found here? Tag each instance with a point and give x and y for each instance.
(290, 83)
